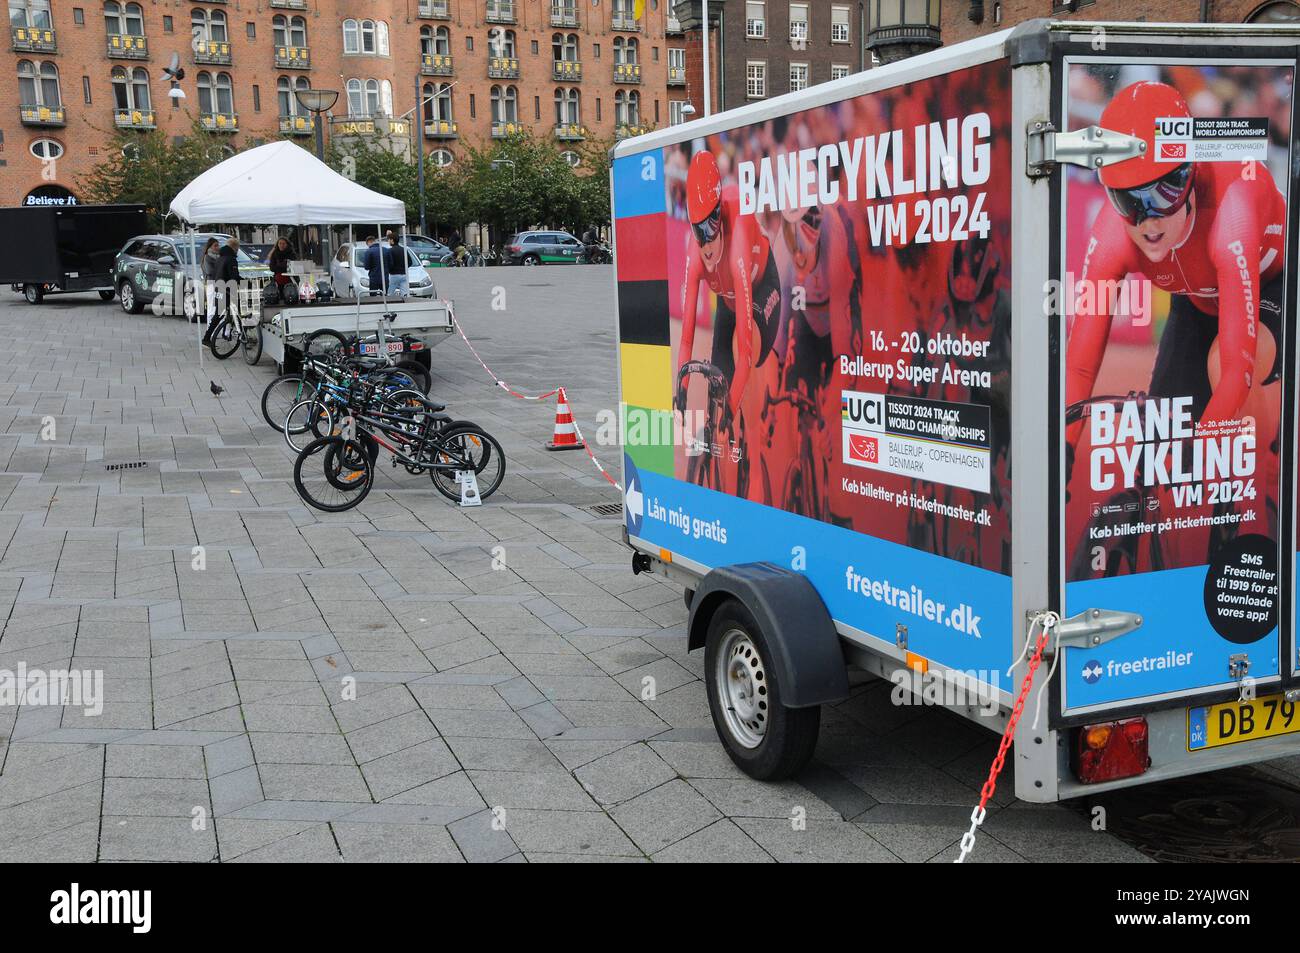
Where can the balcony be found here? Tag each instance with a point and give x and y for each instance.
(677, 76)
(211, 53)
(122, 46)
(627, 72)
(628, 130)
(503, 67)
(33, 40)
(42, 115)
(292, 57)
(297, 125)
(564, 16)
(500, 12)
(570, 132)
(436, 64)
(501, 130)
(289, 4)
(626, 22)
(566, 71)
(434, 10)
(674, 25)
(440, 129)
(219, 122)
(134, 119)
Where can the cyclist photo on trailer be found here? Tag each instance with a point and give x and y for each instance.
(1175, 290)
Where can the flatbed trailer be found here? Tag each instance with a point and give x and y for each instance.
(977, 298)
(58, 250)
(424, 323)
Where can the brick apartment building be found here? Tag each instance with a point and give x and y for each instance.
(571, 69)
(762, 48)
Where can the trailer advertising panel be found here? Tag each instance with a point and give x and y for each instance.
(1175, 291)
(815, 334)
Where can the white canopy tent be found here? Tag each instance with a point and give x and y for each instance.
(281, 183)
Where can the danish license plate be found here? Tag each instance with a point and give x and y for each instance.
(1213, 726)
(394, 347)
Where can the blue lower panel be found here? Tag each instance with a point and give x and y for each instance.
(956, 615)
(1175, 650)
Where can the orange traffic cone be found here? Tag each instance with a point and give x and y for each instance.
(566, 435)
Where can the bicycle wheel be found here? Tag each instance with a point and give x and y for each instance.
(281, 394)
(333, 474)
(325, 343)
(252, 345)
(225, 339)
(306, 421)
(415, 371)
(470, 444)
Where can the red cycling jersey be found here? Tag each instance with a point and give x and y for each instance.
(744, 255)
(1235, 245)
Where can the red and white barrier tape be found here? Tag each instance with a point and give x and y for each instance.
(550, 393)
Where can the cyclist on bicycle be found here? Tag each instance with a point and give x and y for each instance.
(1211, 234)
(731, 255)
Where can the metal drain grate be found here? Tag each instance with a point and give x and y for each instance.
(606, 509)
(126, 466)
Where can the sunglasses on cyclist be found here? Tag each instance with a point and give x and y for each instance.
(707, 230)
(1158, 199)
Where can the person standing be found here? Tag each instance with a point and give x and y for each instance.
(399, 282)
(229, 279)
(375, 265)
(341, 273)
(279, 260)
(210, 267)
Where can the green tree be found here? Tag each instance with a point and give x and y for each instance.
(149, 168)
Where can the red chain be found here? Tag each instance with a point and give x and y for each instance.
(986, 792)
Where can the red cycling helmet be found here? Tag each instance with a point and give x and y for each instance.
(1150, 185)
(704, 195)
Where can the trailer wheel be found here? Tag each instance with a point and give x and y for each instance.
(33, 293)
(765, 739)
(126, 294)
(107, 294)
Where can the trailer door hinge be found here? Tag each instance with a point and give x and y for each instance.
(1091, 147)
(1090, 628)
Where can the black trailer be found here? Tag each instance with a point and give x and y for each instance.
(51, 250)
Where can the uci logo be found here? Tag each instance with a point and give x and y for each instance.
(862, 411)
(1174, 127)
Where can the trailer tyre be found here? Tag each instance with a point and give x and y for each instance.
(106, 294)
(766, 740)
(33, 293)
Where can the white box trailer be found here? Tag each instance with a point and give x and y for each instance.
(915, 361)
(427, 320)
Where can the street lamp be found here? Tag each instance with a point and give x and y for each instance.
(902, 28)
(316, 102)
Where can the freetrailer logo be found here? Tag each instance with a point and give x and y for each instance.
(1093, 671)
(92, 907)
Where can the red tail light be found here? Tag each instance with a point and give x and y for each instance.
(1111, 750)
(512, 248)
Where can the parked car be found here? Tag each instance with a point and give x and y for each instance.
(541, 248)
(421, 283)
(147, 267)
(430, 251)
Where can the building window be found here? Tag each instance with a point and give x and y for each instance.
(626, 51)
(572, 158)
(289, 31)
(597, 109)
(216, 95)
(505, 104)
(125, 19)
(675, 114)
(210, 27)
(433, 42)
(257, 98)
(365, 37)
(46, 149)
(839, 70)
(997, 13)
(839, 24)
(595, 51)
(250, 30)
(627, 108)
(564, 47)
(441, 158)
(131, 90)
(168, 25)
(85, 89)
(799, 24)
(284, 94)
(755, 19)
(38, 84)
(33, 13)
(798, 77)
(568, 107)
(473, 109)
(755, 79)
(437, 102)
(78, 16)
(501, 42)
(535, 47)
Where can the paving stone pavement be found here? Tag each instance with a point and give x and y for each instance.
(497, 712)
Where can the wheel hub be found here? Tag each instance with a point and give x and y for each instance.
(742, 687)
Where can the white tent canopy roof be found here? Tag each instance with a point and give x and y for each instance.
(280, 183)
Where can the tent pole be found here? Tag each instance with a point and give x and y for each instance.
(200, 308)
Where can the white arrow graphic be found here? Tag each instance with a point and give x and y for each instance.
(634, 501)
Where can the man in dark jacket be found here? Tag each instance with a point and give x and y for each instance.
(376, 266)
(228, 275)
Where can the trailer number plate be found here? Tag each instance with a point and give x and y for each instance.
(394, 347)
(1213, 726)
